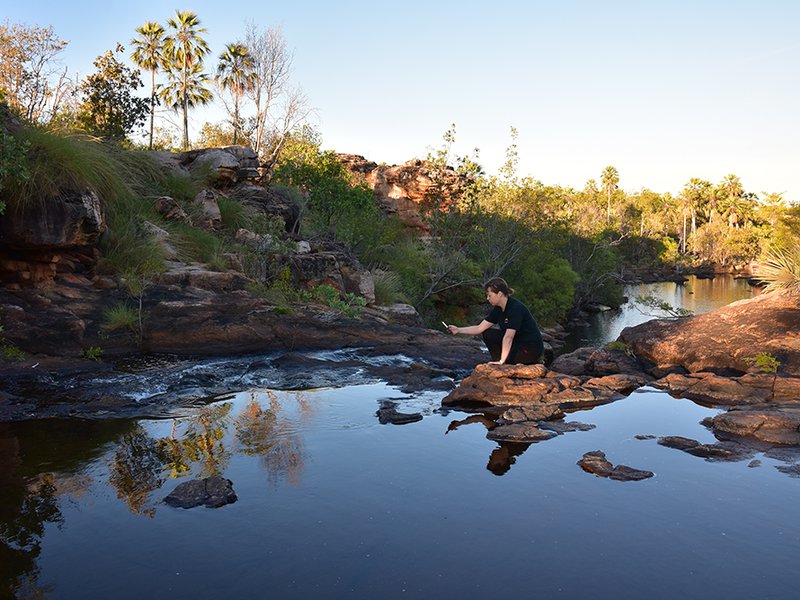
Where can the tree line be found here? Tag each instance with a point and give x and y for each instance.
(251, 80)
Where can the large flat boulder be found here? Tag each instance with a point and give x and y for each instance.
(721, 340)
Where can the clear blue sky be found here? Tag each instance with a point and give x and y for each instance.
(662, 90)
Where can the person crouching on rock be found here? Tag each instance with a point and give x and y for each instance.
(518, 339)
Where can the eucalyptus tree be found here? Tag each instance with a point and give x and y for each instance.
(184, 50)
(272, 66)
(235, 73)
(610, 181)
(149, 55)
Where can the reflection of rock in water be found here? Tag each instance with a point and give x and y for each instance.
(388, 414)
(505, 455)
(211, 492)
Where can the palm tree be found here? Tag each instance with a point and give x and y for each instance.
(184, 51)
(610, 180)
(693, 194)
(732, 190)
(235, 73)
(149, 55)
(185, 90)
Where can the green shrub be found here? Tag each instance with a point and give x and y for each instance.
(621, 346)
(764, 362)
(780, 269)
(120, 316)
(92, 353)
(12, 352)
(388, 287)
(198, 245)
(180, 187)
(234, 214)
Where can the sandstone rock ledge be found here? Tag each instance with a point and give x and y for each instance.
(528, 398)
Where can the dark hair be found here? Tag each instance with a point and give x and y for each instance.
(498, 284)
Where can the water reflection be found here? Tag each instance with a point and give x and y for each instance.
(144, 455)
(136, 471)
(272, 436)
(697, 295)
(504, 454)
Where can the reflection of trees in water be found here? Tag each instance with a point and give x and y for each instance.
(203, 441)
(271, 435)
(136, 471)
(21, 536)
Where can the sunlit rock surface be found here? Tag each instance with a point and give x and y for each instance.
(721, 340)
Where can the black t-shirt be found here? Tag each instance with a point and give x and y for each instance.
(517, 317)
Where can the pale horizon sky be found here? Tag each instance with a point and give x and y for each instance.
(663, 91)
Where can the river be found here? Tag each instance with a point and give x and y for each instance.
(334, 504)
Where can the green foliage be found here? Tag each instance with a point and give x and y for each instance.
(350, 304)
(13, 164)
(198, 245)
(661, 307)
(621, 346)
(180, 187)
(93, 353)
(67, 162)
(764, 362)
(546, 284)
(119, 317)
(780, 269)
(234, 214)
(109, 108)
(280, 291)
(388, 287)
(12, 352)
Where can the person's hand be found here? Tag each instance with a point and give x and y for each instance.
(452, 329)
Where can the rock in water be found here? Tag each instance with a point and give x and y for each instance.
(596, 463)
(211, 492)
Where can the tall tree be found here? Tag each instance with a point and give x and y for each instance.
(272, 65)
(31, 78)
(109, 108)
(610, 181)
(149, 55)
(732, 193)
(693, 195)
(235, 73)
(184, 50)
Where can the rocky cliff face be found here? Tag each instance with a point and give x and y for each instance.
(400, 189)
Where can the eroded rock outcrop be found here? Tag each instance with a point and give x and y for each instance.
(721, 340)
(399, 189)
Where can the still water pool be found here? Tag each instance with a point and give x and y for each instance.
(333, 504)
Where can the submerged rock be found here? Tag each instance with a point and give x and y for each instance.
(211, 492)
(720, 451)
(388, 414)
(597, 464)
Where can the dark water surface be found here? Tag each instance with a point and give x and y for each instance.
(333, 504)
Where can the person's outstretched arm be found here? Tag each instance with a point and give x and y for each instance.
(472, 329)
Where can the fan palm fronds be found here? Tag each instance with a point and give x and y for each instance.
(781, 269)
